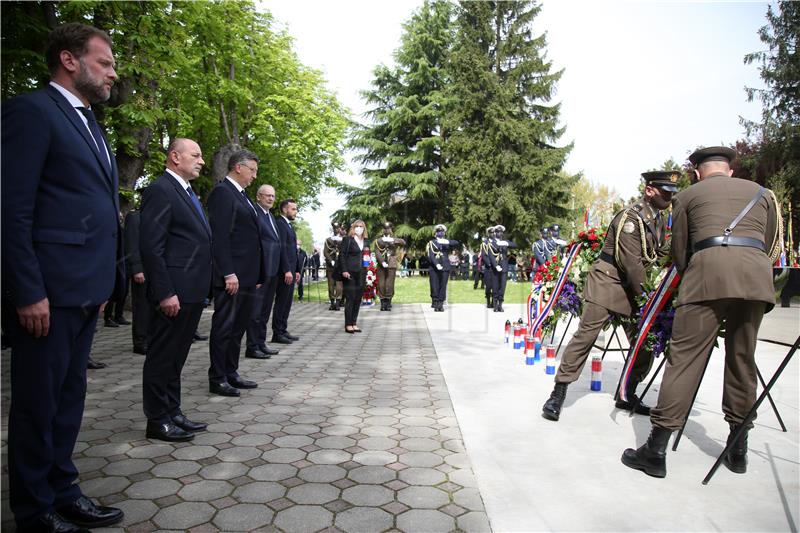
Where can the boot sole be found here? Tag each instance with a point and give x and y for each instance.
(733, 468)
(550, 416)
(637, 466)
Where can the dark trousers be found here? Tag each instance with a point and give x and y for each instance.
(48, 388)
(262, 307)
(115, 308)
(228, 324)
(353, 289)
(488, 282)
(438, 281)
(499, 289)
(300, 286)
(477, 277)
(168, 342)
(283, 305)
(334, 286)
(141, 310)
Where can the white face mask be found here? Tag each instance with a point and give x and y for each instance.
(359, 231)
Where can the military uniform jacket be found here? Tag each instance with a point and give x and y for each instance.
(636, 237)
(438, 250)
(704, 210)
(498, 250)
(331, 250)
(485, 260)
(387, 252)
(541, 252)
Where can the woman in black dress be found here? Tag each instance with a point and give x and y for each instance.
(351, 270)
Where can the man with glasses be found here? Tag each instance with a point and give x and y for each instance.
(238, 271)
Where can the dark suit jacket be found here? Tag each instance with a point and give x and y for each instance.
(133, 257)
(288, 247)
(350, 256)
(60, 210)
(236, 243)
(175, 243)
(302, 260)
(270, 243)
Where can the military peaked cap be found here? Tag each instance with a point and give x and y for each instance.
(663, 179)
(712, 153)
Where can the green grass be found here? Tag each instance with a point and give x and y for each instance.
(416, 289)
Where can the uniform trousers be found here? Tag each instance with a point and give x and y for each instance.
(48, 389)
(438, 281)
(499, 289)
(577, 351)
(694, 331)
(141, 309)
(353, 290)
(488, 283)
(262, 307)
(231, 315)
(168, 343)
(334, 287)
(386, 282)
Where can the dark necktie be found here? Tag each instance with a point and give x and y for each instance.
(94, 128)
(246, 199)
(196, 202)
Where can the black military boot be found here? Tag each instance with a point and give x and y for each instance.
(498, 308)
(552, 407)
(651, 457)
(383, 304)
(338, 304)
(389, 304)
(439, 306)
(489, 302)
(736, 458)
(333, 306)
(641, 408)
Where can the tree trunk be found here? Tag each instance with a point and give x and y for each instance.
(220, 161)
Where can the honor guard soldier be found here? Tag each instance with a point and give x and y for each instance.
(487, 267)
(437, 250)
(497, 249)
(557, 244)
(541, 249)
(387, 256)
(331, 252)
(726, 234)
(636, 238)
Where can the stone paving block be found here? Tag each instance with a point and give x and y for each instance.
(283, 455)
(421, 476)
(238, 454)
(474, 522)
(223, 471)
(423, 497)
(183, 516)
(251, 440)
(272, 472)
(364, 520)
(423, 459)
(128, 467)
(150, 451)
(374, 457)
(425, 520)
(102, 486)
(243, 517)
(136, 511)
(463, 477)
(368, 496)
(84, 464)
(176, 469)
(313, 493)
(303, 519)
(194, 453)
(322, 473)
(338, 443)
(377, 443)
(372, 474)
(329, 457)
(205, 490)
(469, 498)
(293, 441)
(152, 489)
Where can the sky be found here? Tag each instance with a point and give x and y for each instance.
(643, 81)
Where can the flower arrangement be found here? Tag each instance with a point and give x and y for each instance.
(657, 340)
(370, 284)
(592, 241)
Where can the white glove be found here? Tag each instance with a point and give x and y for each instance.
(501, 243)
(498, 268)
(333, 263)
(388, 239)
(336, 238)
(439, 267)
(443, 241)
(385, 264)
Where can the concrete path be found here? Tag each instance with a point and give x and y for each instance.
(345, 433)
(538, 475)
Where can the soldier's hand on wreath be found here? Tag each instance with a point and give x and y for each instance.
(138, 277)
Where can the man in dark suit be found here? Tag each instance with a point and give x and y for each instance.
(265, 295)
(238, 271)
(60, 236)
(291, 274)
(315, 264)
(302, 265)
(725, 237)
(176, 253)
(140, 305)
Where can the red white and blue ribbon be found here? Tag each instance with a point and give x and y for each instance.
(537, 314)
(650, 311)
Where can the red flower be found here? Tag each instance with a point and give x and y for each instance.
(595, 246)
(549, 277)
(582, 234)
(592, 237)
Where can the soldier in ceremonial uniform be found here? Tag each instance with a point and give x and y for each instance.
(556, 243)
(387, 257)
(636, 238)
(331, 252)
(437, 250)
(497, 250)
(726, 233)
(487, 268)
(541, 249)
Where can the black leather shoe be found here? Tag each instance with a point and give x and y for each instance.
(291, 337)
(198, 337)
(94, 365)
(241, 383)
(269, 351)
(122, 321)
(256, 354)
(187, 425)
(167, 431)
(223, 389)
(141, 350)
(85, 513)
(281, 339)
(641, 409)
(52, 522)
(109, 323)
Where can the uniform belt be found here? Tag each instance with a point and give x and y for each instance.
(607, 257)
(729, 241)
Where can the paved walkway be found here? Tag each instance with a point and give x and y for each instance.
(345, 432)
